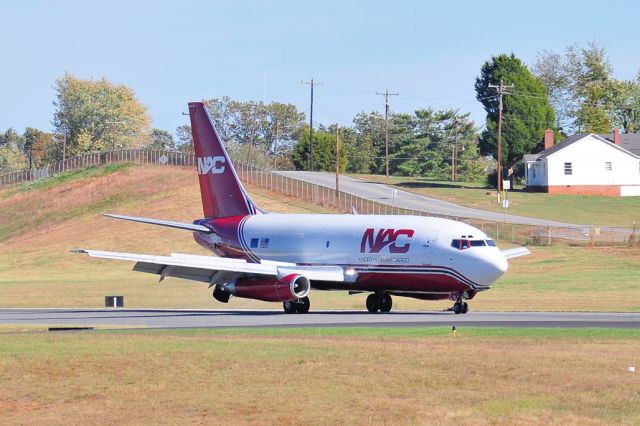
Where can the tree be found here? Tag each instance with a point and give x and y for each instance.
(580, 90)
(37, 145)
(429, 142)
(161, 139)
(324, 151)
(98, 115)
(526, 112)
(12, 138)
(366, 153)
(624, 97)
(185, 138)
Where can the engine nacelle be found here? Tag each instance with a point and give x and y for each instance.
(281, 289)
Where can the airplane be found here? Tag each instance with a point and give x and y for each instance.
(281, 257)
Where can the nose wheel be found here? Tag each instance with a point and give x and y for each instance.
(460, 307)
(379, 302)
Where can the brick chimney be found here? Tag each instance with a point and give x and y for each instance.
(548, 138)
(616, 136)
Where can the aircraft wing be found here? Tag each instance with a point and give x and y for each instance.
(212, 269)
(515, 252)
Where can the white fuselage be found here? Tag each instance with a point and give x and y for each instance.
(374, 243)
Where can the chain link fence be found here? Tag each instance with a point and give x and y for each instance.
(344, 202)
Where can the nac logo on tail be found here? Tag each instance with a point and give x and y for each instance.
(384, 238)
(213, 165)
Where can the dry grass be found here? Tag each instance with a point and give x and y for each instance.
(41, 226)
(316, 378)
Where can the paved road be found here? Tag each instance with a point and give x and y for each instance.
(172, 318)
(408, 200)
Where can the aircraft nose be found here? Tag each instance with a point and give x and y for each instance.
(492, 268)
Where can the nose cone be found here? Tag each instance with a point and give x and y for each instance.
(491, 267)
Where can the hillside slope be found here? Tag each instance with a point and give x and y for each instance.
(41, 223)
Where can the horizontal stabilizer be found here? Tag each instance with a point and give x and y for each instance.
(515, 252)
(167, 223)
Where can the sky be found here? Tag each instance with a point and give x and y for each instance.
(173, 52)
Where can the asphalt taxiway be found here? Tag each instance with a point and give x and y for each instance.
(178, 318)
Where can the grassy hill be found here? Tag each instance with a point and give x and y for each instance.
(42, 222)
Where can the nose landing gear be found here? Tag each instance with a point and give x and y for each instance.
(460, 307)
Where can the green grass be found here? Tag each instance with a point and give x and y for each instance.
(71, 175)
(583, 209)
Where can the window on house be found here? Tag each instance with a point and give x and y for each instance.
(568, 169)
(607, 166)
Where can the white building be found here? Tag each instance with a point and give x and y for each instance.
(586, 164)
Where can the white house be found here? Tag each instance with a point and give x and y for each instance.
(587, 164)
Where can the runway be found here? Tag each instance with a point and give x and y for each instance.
(175, 318)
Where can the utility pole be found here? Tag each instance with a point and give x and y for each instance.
(386, 126)
(502, 90)
(275, 148)
(337, 162)
(311, 83)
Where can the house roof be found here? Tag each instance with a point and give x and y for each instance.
(628, 141)
(560, 145)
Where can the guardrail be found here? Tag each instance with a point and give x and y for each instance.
(527, 234)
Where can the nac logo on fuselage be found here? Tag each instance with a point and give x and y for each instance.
(384, 238)
(213, 165)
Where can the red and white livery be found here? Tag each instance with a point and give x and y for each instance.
(280, 257)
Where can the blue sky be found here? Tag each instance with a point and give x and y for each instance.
(171, 52)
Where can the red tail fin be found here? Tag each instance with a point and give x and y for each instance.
(221, 190)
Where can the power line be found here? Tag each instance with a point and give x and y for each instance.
(386, 95)
(311, 83)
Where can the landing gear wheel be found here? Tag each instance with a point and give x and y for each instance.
(386, 302)
(373, 304)
(460, 308)
(303, 305)
(289, 307)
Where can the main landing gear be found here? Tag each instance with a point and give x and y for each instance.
(379, 302)
(300, 306)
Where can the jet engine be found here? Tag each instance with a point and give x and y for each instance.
(280, 289)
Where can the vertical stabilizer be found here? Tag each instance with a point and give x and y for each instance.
(221, 190)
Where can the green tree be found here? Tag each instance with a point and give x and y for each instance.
(161, 139)
(11, 159)
(98, 115)
(12, 138)
(624, 98)
(526, 112)
(580, 89)
(185, 138)
(367, 151)
(427, 149)
(324, 151)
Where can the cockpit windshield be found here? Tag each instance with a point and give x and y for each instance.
(464, 243)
